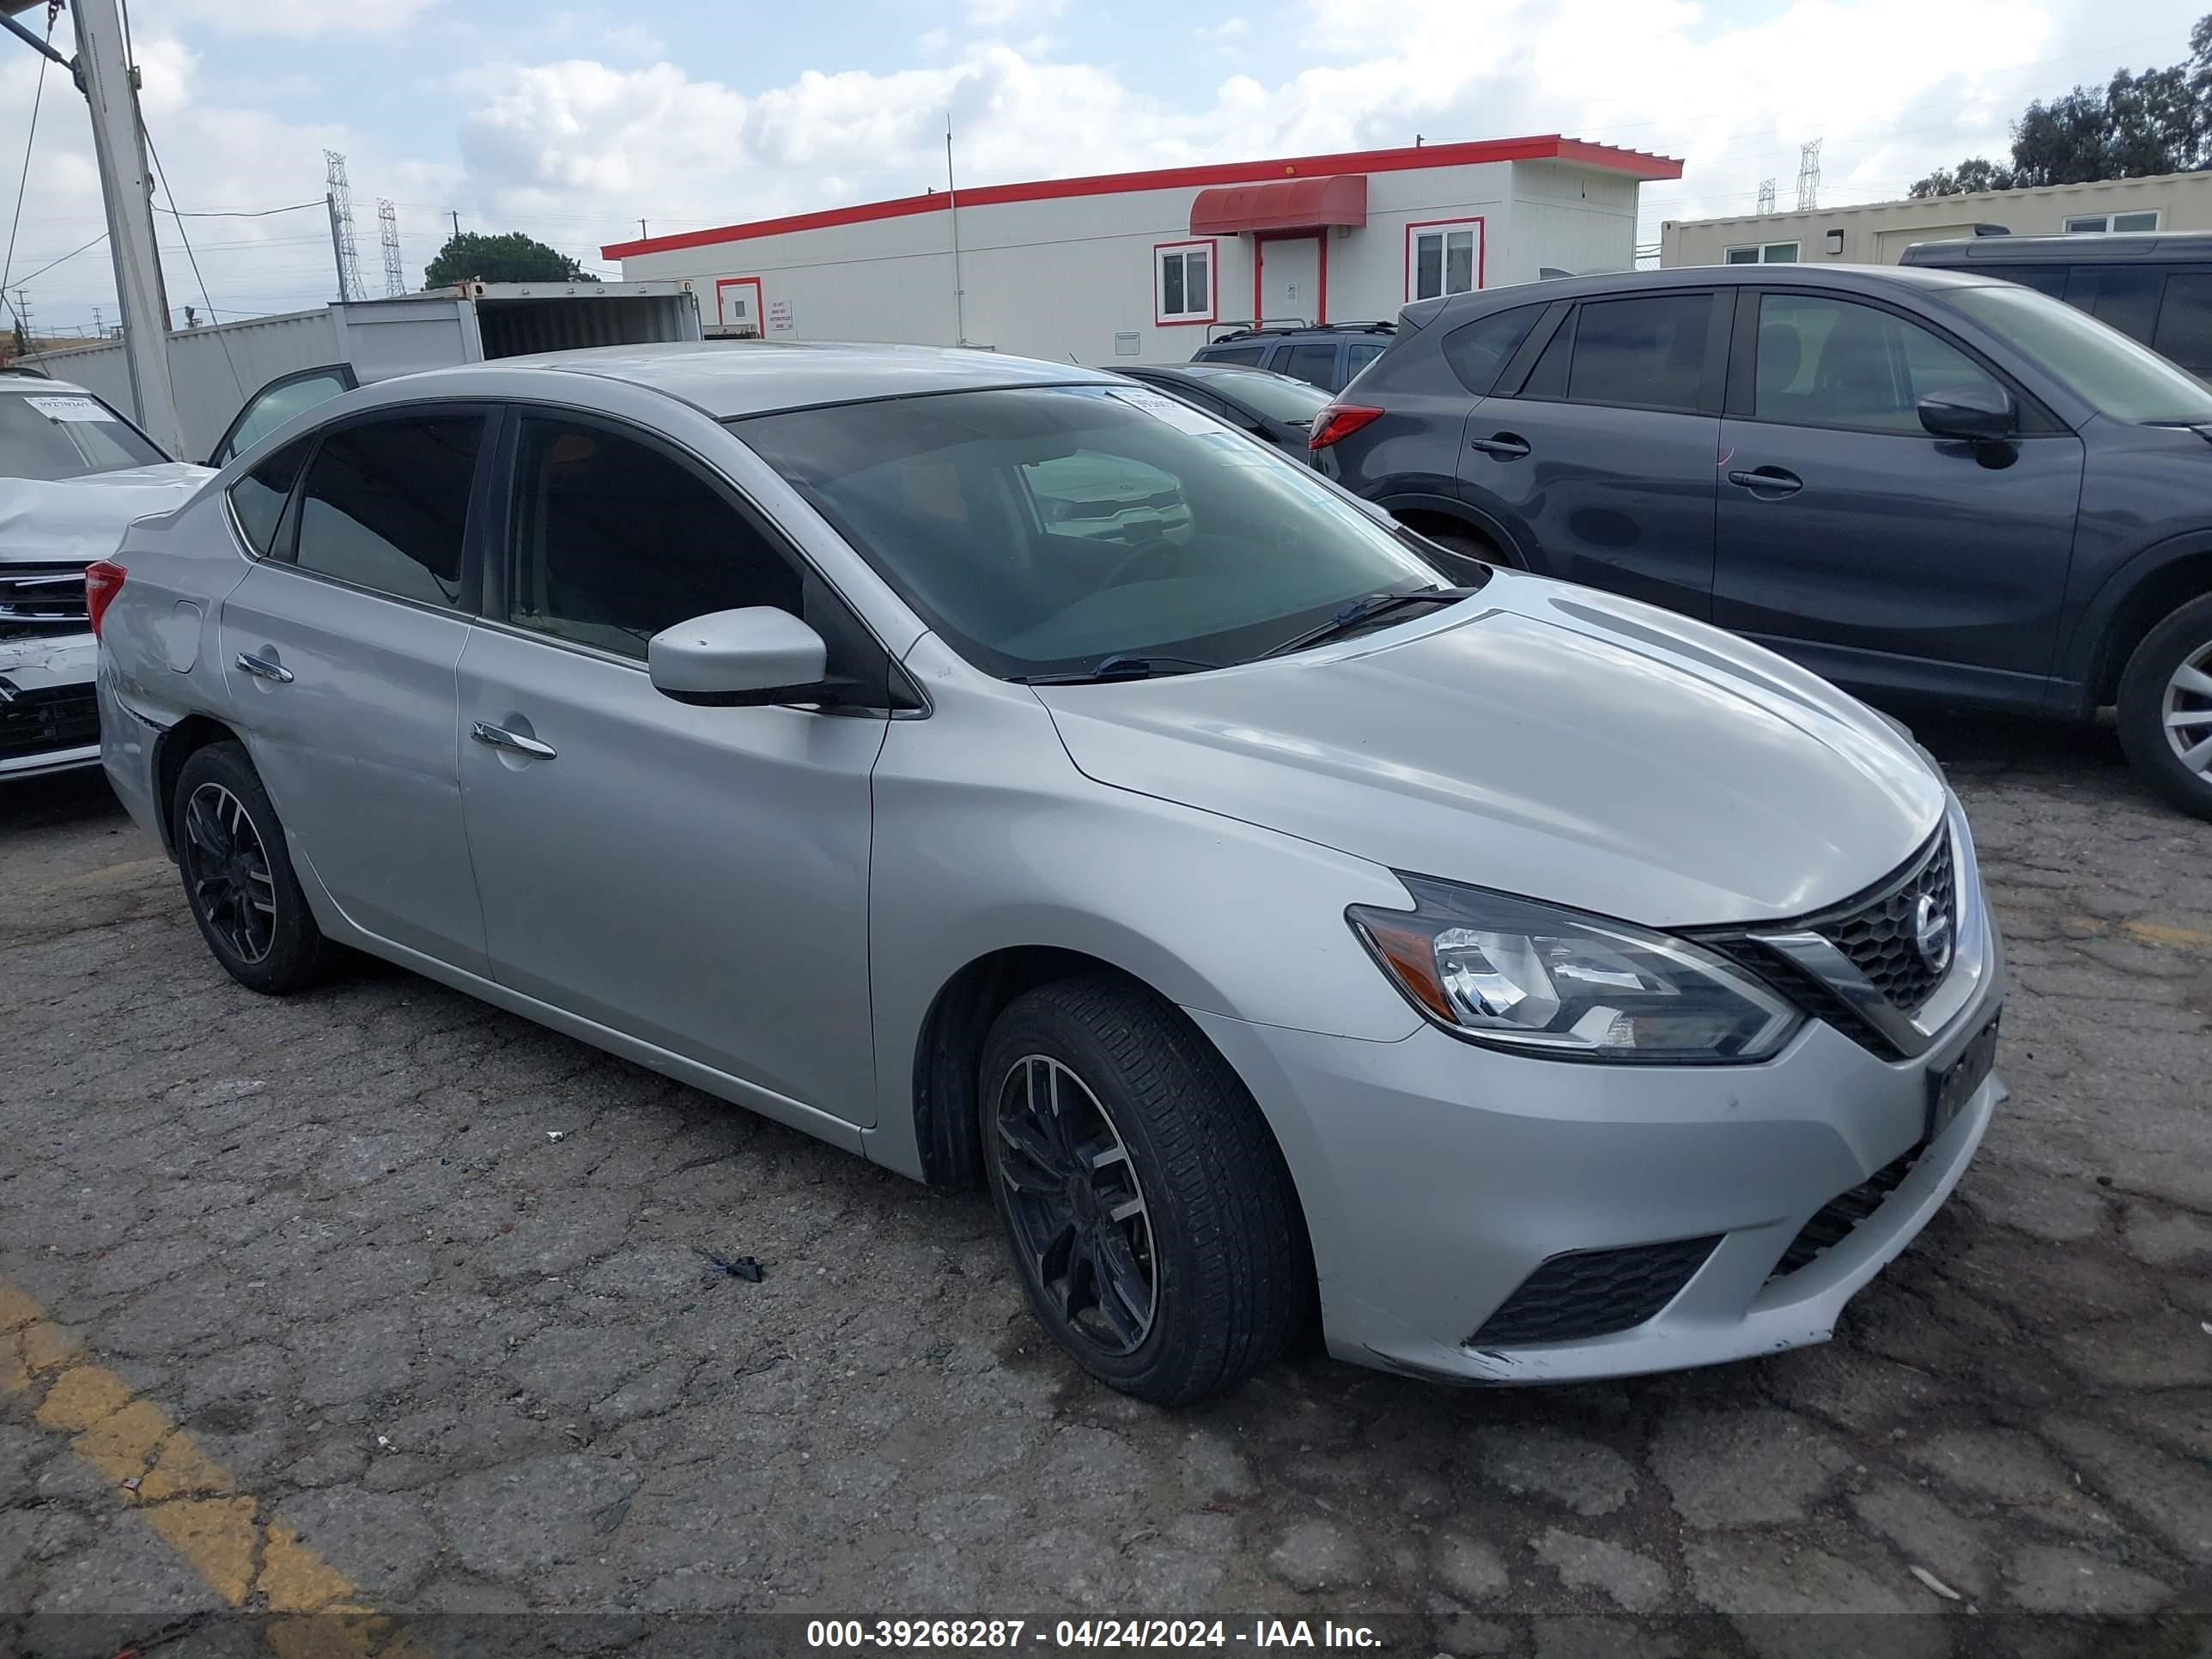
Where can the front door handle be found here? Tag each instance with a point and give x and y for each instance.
(263, 668)
(1769, 480)
(498, 737)
(1501, 446)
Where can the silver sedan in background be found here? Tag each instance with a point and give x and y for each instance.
(1540, 985)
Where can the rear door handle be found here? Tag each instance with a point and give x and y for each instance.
(498, 737)
(1501, 446)
(262, 668)
(1769, 480)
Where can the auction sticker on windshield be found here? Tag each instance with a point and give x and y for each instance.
(1180, 415)
(71, 409)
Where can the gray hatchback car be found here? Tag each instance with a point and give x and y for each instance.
(1909, 481)
(1545, 985)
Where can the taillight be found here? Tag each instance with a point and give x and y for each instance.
(103, 580)
(1339, 421)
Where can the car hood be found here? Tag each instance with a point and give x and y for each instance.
(53, 520)
(1540, 739)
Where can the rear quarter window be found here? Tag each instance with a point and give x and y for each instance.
(1477, 351)
(258, 499)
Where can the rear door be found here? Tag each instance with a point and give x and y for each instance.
(339, 649)
(1599, 465)
(1317, 363)
(1851, 539)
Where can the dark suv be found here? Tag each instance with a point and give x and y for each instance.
(1326, 355)
(2153, 285)
(1910, 480)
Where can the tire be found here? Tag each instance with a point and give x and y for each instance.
(1218, 1244)
(238, 876)
(2169, 675)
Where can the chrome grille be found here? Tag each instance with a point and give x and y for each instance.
(1879, 937)
(41, 598)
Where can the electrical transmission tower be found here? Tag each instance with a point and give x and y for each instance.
(1767, 196)
(387, 231)
(341, 204)
(1808, 176)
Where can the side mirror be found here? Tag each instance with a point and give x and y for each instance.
(745, 658)
(1977, 414)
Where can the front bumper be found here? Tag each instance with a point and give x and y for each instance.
(48, 722)
(1437, 1176)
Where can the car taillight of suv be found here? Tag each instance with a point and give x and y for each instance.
(1339, 421)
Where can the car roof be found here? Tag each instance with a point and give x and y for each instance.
(25, 380)
(729, 378)
(1206, 370)
(2109, 247)
(1872, 279)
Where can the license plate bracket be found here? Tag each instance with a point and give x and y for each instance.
(1951, 1088)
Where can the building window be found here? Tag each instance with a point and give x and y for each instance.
(1442, 258)
(1183, 283)
(1764, 253)
(2092, 224)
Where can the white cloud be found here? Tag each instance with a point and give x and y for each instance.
(1005, 13)
(1229, 28)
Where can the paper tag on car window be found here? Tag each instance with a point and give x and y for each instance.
(71, 409)
(1181, 417)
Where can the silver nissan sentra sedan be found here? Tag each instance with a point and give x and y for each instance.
(1016, 777)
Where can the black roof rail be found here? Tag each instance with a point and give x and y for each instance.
(1365, 327)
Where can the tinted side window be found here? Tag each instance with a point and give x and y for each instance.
(1823, 361)
(1249, 355)
(1647, 353)
(614, 541)
(274, 405)
(2044, 279)
(1357, 357)
(1314, 363)
(1477, 350)
(2184, 322)
(258, 498)
(2125, 296)
(386, 503)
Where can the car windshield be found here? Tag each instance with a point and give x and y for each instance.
(2118, 377)
(1278, 397)
(1043, 530)
(66, 434)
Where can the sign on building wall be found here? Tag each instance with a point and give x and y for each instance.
(779, 317)
(1128, 345)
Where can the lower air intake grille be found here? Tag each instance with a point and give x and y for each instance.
(1834, 1221)
(43, 721)
(1586, 1293)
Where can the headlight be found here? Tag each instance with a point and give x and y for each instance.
(1513, 974)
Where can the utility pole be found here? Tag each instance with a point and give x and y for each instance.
(951, 212)
(338, 197)
(1808, 175)
(110, 88)
(641, 230)
(455, 212)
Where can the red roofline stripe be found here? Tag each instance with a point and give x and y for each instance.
(1549, 147)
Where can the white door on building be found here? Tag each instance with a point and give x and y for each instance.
(1290, 278)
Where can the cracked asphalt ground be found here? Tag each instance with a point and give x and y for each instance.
(478, 1369)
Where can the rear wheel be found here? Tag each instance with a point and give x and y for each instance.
(2166, 708)
(238, 879)
(1145, 1203)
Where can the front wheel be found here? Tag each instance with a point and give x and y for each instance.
(238, 875)
(1146, 1207)
(2166, 708)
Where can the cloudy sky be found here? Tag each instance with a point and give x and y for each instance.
(574, 122)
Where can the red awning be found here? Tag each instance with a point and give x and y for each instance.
(1281, 204)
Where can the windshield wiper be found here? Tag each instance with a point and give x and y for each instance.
(1365, 610)
(1123, 665)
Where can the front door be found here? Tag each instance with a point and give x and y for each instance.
(695, 878)
(1290, 278)
(1599, 466)
(1852, 539)
(339, 649)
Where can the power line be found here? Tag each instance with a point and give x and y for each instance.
(30, 139)
(162, 174)
(243, 213)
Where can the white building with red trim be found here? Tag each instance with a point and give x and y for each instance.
(1146, 265)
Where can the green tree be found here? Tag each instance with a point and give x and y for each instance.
(513, 257)
(2137, 125)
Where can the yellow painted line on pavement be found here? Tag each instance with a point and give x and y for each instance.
(188, 1498)
(2157, 932)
